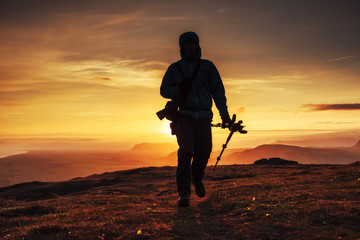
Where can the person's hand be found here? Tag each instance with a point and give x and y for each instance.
(226, 120)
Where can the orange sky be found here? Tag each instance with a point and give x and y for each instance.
(90, 71)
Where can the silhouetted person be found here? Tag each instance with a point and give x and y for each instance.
(193, 130)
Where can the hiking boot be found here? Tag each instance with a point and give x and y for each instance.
(184, 200)
(199, 188)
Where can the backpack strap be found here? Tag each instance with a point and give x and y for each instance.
(179, 69)
(193, 76)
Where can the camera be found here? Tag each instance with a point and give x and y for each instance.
(169, 111)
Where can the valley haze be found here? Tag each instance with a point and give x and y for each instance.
(62, 165)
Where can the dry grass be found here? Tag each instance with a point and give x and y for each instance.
(242, 202)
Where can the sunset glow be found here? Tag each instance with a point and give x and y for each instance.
(70, 72)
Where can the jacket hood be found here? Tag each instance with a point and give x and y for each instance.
(189, 36)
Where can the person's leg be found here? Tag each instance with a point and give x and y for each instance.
(202, 150)
(185, 152)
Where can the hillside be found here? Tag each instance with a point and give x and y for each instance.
(242, 202)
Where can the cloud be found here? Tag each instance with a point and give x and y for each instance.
(340, 123)
(104, 78)
(36, 11)
(241, 109)
(64, 61)
(322, 107)
(341, 58)
(146, 30)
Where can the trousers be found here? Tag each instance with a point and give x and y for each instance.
(195, 143)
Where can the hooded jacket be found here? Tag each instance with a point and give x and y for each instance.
(205, 87)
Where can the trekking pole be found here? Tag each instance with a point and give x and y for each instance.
(234, 127)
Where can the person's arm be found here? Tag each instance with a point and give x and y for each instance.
(168, 88)
(218, 93)
(217, 90)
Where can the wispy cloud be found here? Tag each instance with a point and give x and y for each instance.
(241, 109)
(341, 58)
(333, 123)
(322, 107)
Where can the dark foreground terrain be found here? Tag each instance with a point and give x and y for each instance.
(242, 202)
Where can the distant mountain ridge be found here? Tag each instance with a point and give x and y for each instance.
(303, 155)
(322, 140)
(63, 165)
(59, 165)
(357, 145)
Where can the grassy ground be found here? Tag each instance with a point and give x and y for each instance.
(242, 202)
